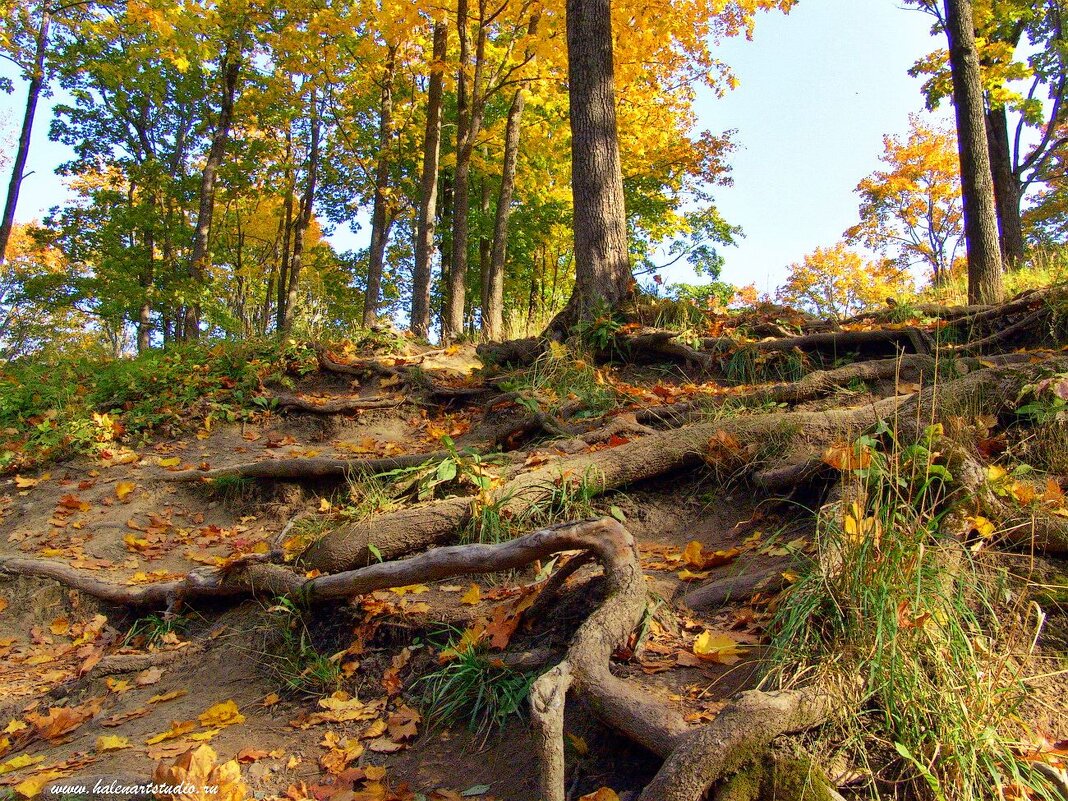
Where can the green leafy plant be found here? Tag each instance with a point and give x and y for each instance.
(894, 599)
(151, 629)
(474, 690)
(290, 656)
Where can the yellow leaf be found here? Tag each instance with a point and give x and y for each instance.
(579, 744)
(982, 526)
(19, 762)
(717, 648)
(15, 726)
(603, 794)
(472, 596)
(271, 699)
(689, 575)
(111, 742)
(994, 473)
(173, 461)
(557, 350)
(26, 483)
(224, 713)
(117, 685)
(31, 787)
(59, 626)
(124, 488)
(179, 728)
(414, 589)
(691, 554)
(325, 505)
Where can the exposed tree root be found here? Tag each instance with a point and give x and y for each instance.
(729, 589)
(336, 405)
(408, 372)
(303, 469)
(1029, 528)
(888, 341)
(738, 734)
(785, 436)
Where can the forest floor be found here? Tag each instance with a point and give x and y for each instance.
(140, 618)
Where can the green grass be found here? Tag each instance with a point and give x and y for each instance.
(57, 407)
(475, 691)
(290, 656)
(151, 630)
(895, 599)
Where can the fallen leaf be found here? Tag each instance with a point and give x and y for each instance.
(123, 489)
(717, 648)
(224, 713)
(111, 742)
(472, 596)
(148, 677)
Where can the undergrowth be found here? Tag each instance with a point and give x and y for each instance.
(931, 628)
(58, 407)
(475, 690)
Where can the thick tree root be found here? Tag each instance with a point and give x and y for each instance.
(785, 436)
(336, 405)
(304, 469)
(738, 734)
(405, 372)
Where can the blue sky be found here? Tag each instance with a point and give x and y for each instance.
(818, 89)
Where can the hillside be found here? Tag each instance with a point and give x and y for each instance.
(772, 556)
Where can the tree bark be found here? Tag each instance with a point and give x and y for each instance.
(287, 233)
(307, 203)
(602, 267)
(493, 307)
(1007, 188)
(198, 258)
(452, 318)
(428, 199)
(380, 218)
(977, 185)
(37, 81)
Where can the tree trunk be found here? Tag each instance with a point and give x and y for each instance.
(1007, 189)
(977, 185)
(379, 215)
(602, 267)
(287, 234)
(428, 200)
(493, 311)
(144, 317)
(452, 318)
(307, 204)
(493, 306)
(37, 81)
(198, 258)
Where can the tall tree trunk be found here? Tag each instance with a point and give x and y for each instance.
(977, 185)
(469, 108)
(428, 198)
(452, 318)
(198, 258)
(307, 204)
(445, 227)
(37, 81)
(144, 317)
(287, 235)
(1007, 189)
(379, 215)
(485, 244)
(602, 267)
(493, 283)
(493, 313)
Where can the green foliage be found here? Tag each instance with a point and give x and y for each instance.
(290, 655)
(560, 378)
(750, 366)
(54, 408)
(924, 622)
(150, 630)
(474, 690)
